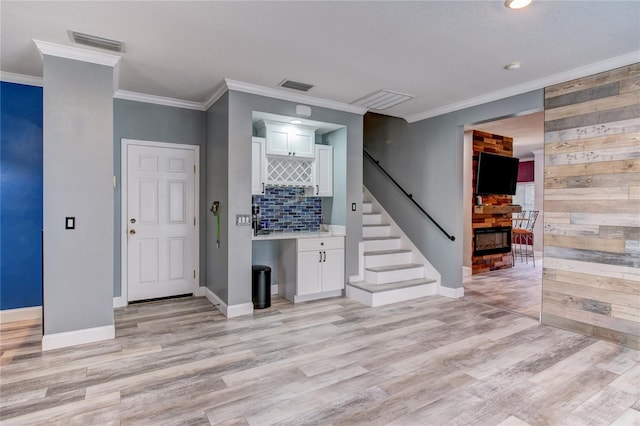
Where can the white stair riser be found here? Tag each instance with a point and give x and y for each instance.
(387, 259)
(371, 219)
(376, 231)
(391, 244)
(392, 276)
(392, 296)
(367, 207)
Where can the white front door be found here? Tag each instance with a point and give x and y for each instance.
(161, 222)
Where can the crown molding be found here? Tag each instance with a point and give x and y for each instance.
(292, 97)
(595, 68)
(158, 100)
(70, 52)
(28, 80)
(218, 91)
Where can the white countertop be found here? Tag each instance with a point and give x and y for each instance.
(296, 235)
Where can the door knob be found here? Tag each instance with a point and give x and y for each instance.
(133, 231)
(132, 220)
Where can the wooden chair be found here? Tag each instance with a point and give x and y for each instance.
(522, 235)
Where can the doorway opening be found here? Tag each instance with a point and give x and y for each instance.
(494, 276)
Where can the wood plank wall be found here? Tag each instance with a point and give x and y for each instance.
(591, 281)
(501, 145)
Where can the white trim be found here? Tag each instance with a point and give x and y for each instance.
(20, 314)
(274, 289)
(119, 302)
(70, 52)
(218, 91)
(199, 292)
(158, 100)
(29, 80)
(254, 89)
(466, 271)
(239, 310)
(454, 293)
(228, 311)
(124, 144)
(595, 68)
(78, 337)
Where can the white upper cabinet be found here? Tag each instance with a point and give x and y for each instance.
(287, 140)
(323, 171)
(257, 166)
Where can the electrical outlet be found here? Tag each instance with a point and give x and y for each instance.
(243, 219)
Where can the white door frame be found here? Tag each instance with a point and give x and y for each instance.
(124, 247)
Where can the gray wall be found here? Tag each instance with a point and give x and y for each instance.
(157, 123)
(78, 170)
(235, 176)
(426, 157)
(217, 189)
(334, 209)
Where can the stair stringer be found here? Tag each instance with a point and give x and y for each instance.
(406, 243)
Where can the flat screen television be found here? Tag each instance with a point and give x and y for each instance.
(496, 174)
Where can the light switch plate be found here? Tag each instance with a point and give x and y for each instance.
(70, 222)
(243, 220)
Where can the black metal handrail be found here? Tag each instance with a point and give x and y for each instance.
(409, 196)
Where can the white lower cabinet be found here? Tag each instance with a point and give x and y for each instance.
(312, 268)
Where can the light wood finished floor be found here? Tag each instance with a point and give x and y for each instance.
(433, 361)
(517, 289)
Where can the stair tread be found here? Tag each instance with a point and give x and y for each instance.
(377, 288)
(375, 224)
(394, 267)
(382, 252)
(380, 238)
(372, 214)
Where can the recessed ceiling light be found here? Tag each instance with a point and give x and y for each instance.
(512, 66)
(296, 122)
(516, 4)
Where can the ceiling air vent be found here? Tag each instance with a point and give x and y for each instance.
(295, 85)
(382, 99)
(95, 41)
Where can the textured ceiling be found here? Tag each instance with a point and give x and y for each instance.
(444, 53)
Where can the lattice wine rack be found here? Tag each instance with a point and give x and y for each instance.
(287, 171)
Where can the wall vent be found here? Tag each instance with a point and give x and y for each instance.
(95, 41)
(295, 85)
(382, 99)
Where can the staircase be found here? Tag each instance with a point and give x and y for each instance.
(392, 269)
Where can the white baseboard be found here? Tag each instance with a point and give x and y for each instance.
(78, 337)
(466, 271)
(454, 293)
(274, 289)
(20, 314)
(119, 302)
(199, 292)
(228, 311)
(239, 310)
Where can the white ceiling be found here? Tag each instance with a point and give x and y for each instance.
(448, 54)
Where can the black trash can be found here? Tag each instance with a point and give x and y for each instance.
(261, 283)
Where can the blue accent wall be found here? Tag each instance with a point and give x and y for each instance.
(20, 196)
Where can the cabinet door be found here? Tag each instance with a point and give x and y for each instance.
(333, 270)
(277, 139)
(323, 171)
(302, 142)
(257, 166)
(309, 272)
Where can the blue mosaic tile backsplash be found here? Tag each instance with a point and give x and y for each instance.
(287, 209)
